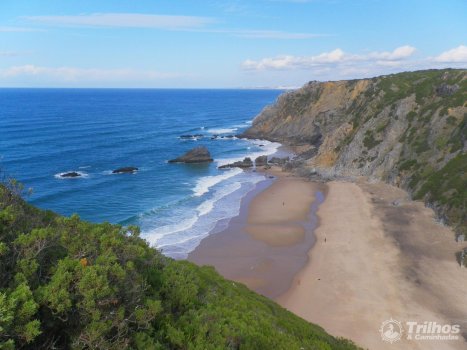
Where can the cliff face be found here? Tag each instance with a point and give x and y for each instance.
(408, 129)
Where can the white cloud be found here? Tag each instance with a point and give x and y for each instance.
(458, 54)
(333, 58)
(127, 20)
(18, 29)
(398, 54)
(74, 74)
(165, 22)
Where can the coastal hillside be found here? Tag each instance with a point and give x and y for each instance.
(408, 129)
(66, 283)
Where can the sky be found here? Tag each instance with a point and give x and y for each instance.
(224, 43)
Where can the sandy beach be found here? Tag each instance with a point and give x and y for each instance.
(373, 261)
(377, 256)
(267, 244)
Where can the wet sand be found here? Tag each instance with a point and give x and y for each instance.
(380, 260)
(267, 244)
(378, 255)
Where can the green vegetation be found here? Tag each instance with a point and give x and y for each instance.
(408, 164)
(69, 284)
(382, 126)
(369, 141)
(448, 187)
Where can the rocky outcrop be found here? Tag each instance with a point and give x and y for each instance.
(191, 137)
(279, 161)
(215, 137)
(244, 164)
(198, 154)
(408, 129)
(125, 170)
(261, 161)
(446, 90)
(70, 174)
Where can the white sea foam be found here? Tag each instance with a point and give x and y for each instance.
(155, 235)
(225, 205)
(163, 232)
(182, 230)
(222, 130)
(207, 206)
(205, 183)
(81, 173)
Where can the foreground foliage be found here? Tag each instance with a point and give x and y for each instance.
(66, 283)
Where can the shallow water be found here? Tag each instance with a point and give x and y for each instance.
(46, 132)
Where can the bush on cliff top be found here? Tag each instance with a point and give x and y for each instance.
(66, 283)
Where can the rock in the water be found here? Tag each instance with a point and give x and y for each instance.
(125, 170)
(261, 160)
(245, 163)
(198, 154)
(71, 174)
(195, 136)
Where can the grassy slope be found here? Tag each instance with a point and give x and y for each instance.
(430, 134)
(66, 283)
(433, 159)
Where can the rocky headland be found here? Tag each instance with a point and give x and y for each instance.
(407, 129)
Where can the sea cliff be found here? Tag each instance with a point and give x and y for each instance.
(407, 129)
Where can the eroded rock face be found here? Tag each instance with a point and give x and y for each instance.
(446, 90)
(198, 154)
(407, 129)
(125, 170)
(244, 164)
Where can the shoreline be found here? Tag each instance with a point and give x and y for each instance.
(265, 246)
(372, 260)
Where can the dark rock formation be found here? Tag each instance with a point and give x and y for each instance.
(125, 170)
(310, 153)
(279, 161)
(261, 160)
(198, 154)
(71, 174)
(195, 136)
(215, 137)
(245, 163)
(446, 90)
(293, 164)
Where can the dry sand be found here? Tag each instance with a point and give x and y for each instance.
(374, 261)
(268, 243)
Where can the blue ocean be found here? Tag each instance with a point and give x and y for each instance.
(47, 132)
